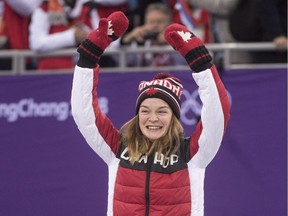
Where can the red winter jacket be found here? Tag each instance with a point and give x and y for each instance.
(153, 187)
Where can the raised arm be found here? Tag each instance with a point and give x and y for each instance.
(94, 125)
(206, 139)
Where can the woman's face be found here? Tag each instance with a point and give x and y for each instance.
(154, 118)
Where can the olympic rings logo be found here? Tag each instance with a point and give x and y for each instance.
(191, 107)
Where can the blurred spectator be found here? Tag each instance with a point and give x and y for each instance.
(137, 12)
(219, 14)
(53, 26)
(24, 7)
(262, 21)
(244, 23)
(64, 24)
(16, 20)
(220, 11)
(273, 26)
(196, 19)
(5, 63)
(94, 10)
(14, 25)
(157, 17)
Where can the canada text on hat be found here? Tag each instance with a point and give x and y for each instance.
(167, 83)
(163, 86)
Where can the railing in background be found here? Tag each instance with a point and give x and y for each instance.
(19, 57)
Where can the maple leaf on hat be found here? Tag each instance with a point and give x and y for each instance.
(151, 91)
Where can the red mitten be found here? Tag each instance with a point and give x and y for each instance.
(189, 46)
(109, 29)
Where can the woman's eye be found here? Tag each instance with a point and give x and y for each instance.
(162, 111)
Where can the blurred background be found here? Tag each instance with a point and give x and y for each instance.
(46, 166)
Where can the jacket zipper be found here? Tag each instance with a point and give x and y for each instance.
(147, 185)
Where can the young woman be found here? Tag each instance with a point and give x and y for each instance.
(152, 165)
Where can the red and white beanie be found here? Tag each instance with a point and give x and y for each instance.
(163, 86)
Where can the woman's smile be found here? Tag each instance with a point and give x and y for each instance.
(154, 117)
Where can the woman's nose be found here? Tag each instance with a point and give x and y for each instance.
(153, 117)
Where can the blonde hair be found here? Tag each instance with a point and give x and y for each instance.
(138, 144)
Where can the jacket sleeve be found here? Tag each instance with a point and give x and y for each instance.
(207, 137)
(94, 125)
(23, 7)
(41, 40)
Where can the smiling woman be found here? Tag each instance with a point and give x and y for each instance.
(158, 109)
(154, 118)
(160, 128)
(152, 164)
